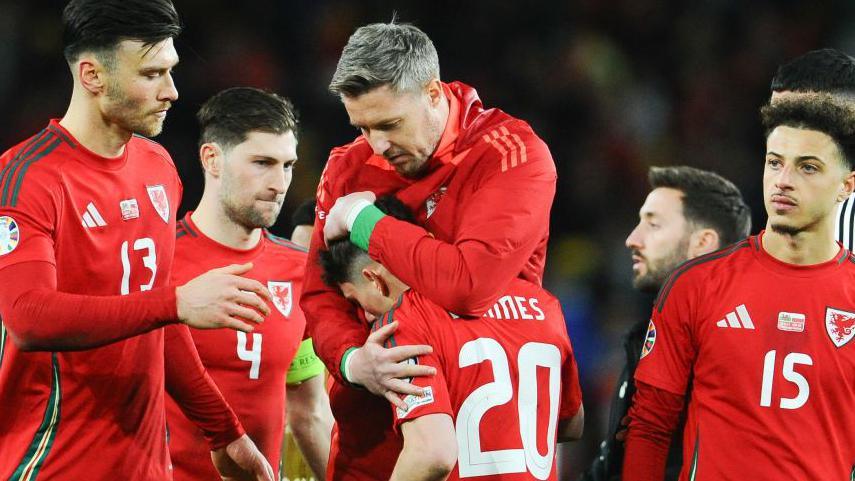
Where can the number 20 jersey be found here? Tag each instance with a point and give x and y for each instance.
(507, 379)
(768, 348)
(249, 368)
(108, 225)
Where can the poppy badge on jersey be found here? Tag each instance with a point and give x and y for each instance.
(281, 293)
(649, 340)
(840, 326)
(10, 235)
(157, 195)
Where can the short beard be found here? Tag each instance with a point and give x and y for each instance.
(658, 273)
(787, 230)
(125, 112)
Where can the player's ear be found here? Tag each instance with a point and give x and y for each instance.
(703, 241)
(91, 74)
(211, 157)
(847, 186)
(372, 274)
(434, 92)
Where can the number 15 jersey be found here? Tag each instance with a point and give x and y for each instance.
(768, 349)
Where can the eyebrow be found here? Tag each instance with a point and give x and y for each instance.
(376, 124)
(800, 158)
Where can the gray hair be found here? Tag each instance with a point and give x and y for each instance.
(395, 54)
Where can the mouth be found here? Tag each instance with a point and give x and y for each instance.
(637, 262)
(783, 203)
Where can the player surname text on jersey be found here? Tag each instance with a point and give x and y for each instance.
(516, 308)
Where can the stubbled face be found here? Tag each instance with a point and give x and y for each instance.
(255, 177)
(802, 179)
(368, 296)
(660, 241)
(139, 86)
(404, 127)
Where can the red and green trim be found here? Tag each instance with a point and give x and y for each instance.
(13, 175)
(34, 458)
(693, 469)
(280, 241)
(683, 268)
(364, 224)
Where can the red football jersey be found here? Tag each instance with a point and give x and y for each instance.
(769, 352)
(506, 379)
(484, 205)
(249, 368)
(108, 225)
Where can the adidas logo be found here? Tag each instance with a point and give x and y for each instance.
(737, 320)
(92, 218)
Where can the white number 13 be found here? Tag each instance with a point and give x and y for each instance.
(149, 261)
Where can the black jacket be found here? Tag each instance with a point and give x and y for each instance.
(608, 464)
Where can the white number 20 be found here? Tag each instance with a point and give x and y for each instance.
(472, 461)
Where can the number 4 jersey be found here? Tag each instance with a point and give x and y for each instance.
(768, 349)
(249, 368)
(506, 379)
(108, 225)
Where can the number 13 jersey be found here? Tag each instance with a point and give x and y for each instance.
(767, 349)
(108, 225)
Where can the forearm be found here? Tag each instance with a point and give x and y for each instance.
(195, 392)
(311, 422)
(412, 465)
(653, 418)
(43, 319)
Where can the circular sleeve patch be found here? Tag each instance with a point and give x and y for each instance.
(10, 235)
(649, 339)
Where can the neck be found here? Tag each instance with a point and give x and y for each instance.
(84, 121)
(211, 219)
(808, 247)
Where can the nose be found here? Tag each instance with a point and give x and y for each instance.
(633, 240)
(281, 180)
(784, 180)
(379, 142)
(169, 91)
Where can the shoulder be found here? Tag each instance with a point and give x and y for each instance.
(33, 166)
(285, 246)
(510, 146)
(148, 149)
(705, 269)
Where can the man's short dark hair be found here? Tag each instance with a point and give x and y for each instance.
(99, 25)
(820, 113)
(230, 115)
(826, 70)
(709, 200)
(343, 260)
(304, 214)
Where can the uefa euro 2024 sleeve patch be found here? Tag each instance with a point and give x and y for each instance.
(649, 340)
(10, 235)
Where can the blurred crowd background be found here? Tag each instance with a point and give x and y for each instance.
(612, 86)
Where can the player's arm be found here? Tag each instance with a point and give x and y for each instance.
(338, 333)
(501, 227)
(187, 381)
(430, 449)
(661, 379)
(571, 429)
(654, 416)
(309, 413)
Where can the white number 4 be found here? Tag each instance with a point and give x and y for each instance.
(253, 356)
(790, 360)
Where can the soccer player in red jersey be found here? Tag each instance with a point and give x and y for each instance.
(480, 181)
(248, 149)
(763, 329)
(506, 387)
(87, 231)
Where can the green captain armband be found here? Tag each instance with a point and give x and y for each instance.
(305, 364)
(364, 224)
